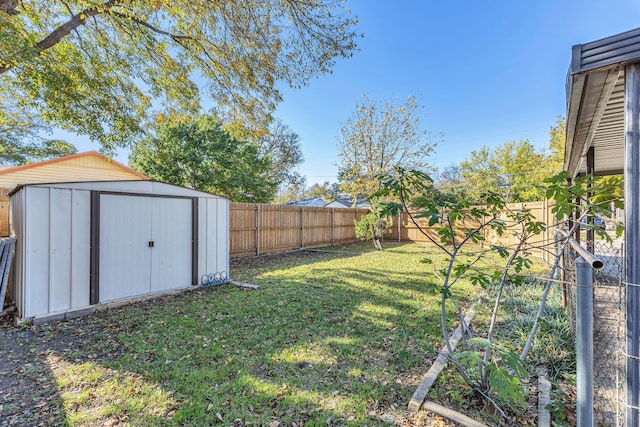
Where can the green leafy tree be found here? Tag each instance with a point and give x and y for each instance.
(291, 192)
(199, 154)
(325, 191)
(282, 146)
(513, 169)
(459, 230)
(450, 184)
(16, 152)
(557, 138)
(298, 191)
(376, 138)
(105, 68)
(373, 226)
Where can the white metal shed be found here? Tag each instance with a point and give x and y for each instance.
(88, 243)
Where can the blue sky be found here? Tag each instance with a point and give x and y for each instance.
(487, 72)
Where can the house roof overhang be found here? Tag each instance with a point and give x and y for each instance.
(595, 103)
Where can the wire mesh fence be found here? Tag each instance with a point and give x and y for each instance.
(608, 329)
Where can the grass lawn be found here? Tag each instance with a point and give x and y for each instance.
(340, 338)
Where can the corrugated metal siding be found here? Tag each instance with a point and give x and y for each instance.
(52, 250)
(81, 247)
(37, 251)
(59, 249)
(222, 241)
(16, 230)
(620, 48)
(202, 241)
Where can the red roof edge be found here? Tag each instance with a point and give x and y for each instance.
(71, 157)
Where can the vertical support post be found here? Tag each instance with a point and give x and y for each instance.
(333, 226)
(564, 261)
(632, 237)
(354, 229)
(257, 229)
(302, 227)
(590, 170)
(399, 227)
(576, 215)
(584, 343)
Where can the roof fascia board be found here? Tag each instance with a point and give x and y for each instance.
(575, 98)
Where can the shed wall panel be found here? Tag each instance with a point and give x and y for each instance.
(17, 220)
(221, 207)
(37, 252)
(60, 249)
(202, 241)
(212, 237)
(80, 247)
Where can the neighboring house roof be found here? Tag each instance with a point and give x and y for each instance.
(87, 166)
(347, 202)
(312, 201)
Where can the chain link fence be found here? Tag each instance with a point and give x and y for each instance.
(608, 328)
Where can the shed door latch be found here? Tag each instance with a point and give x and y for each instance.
(151, 243)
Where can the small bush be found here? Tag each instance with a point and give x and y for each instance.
(373, 228)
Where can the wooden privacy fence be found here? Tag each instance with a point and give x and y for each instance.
(256, 229)
(541, 245)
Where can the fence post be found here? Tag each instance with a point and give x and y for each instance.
(399, 227)
(257, 229)
(302, 227)
(584, 343)
(333, 225)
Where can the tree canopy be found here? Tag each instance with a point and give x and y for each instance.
(17, 153)
(282, 146)
(514, 169)
(378, 137)
(106, 68)
(199, 154)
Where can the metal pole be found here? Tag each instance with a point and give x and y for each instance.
(632, 237)
(584, 343)
(591, 156)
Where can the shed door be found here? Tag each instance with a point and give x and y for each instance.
(145, 245)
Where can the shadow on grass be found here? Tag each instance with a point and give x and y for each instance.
(28, 391)
(325, 342)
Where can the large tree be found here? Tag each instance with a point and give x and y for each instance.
(20, 153)
(282, 146)
(377, 137)
(514, 169)
(199, 154)
(557, 138)
(105, 68)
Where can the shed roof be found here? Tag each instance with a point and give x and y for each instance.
(129, 186)
(595, 103)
